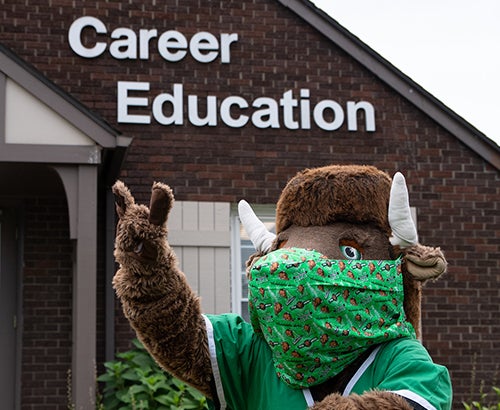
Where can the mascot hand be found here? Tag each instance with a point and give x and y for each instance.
(141, 232)
(156, 298)
(374, 400)
(425, 262)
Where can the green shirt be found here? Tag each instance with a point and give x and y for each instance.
(246, 379)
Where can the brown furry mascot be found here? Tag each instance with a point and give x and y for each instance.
(334, 300)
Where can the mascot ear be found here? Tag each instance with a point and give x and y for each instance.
(123, 198)
(425, 262)
(161, 202)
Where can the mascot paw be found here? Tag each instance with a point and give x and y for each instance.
(425, 262)
(374, 400)
(141, 231)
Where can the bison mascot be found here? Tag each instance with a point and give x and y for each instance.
(334, 300)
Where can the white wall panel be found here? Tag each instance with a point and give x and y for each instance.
(199, 232)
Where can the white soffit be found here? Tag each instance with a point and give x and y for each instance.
(30, 121)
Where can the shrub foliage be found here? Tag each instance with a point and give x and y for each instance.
(135, 382)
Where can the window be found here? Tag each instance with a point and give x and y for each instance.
(241, 249)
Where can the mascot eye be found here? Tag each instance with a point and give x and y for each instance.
(350, 252)
(351, 249)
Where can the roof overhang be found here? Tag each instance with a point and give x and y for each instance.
(405, 86)
(44, 112)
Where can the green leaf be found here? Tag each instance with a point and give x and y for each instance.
(164, 399)
(138, 345)
(191, 406)
(144, 364)
(127, 356)
(131, 375)
(136, 389)
(111, 402)
(179, 384)
(106, 378)
(124, 396)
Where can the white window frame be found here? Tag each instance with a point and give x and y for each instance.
(267, 214)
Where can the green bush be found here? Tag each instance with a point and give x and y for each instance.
(135, 382)
(484, 402)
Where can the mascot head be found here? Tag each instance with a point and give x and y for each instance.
(336, 279)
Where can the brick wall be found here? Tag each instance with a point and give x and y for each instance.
(47, 304)
(455, 191)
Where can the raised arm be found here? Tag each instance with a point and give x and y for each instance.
(156, 298)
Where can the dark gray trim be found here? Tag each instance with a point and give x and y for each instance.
(18, 211)
(61, 102)
(3, 105)
(110, 269)
(84, 289)
(64, 154)
(404, 85)
(113, 159)
(69, 179)
(20, 316)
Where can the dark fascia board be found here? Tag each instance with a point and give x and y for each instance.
(401, 83)
(64, 104)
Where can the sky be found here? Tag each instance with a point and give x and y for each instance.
(449, 47)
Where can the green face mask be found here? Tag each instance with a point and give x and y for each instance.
(318, 315)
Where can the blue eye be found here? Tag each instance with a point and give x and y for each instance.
(350, 252)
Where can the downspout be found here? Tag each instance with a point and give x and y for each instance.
(111, 173)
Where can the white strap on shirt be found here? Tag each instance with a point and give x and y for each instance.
(308, 396)
(215, 365)
(408, 394)
(403, 393)
(369, 360)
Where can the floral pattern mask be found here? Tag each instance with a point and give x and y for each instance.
(318, 315)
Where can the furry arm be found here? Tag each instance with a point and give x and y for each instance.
(156, 298)
(374, 400)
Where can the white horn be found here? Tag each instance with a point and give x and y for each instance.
(261, 238)
(404, 232)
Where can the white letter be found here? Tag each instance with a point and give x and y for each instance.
(75, 37)
(177, 112)
(144, 37)
(226, 40)
(305, 110)
(211, 117)
(204, 41)
(174, 40)
(352, 121)
(127, 40)
(225, 111)
(338, 115)
(289, 103)
(270, 112)
(124, 101)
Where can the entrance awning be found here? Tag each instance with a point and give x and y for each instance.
(40, 123)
